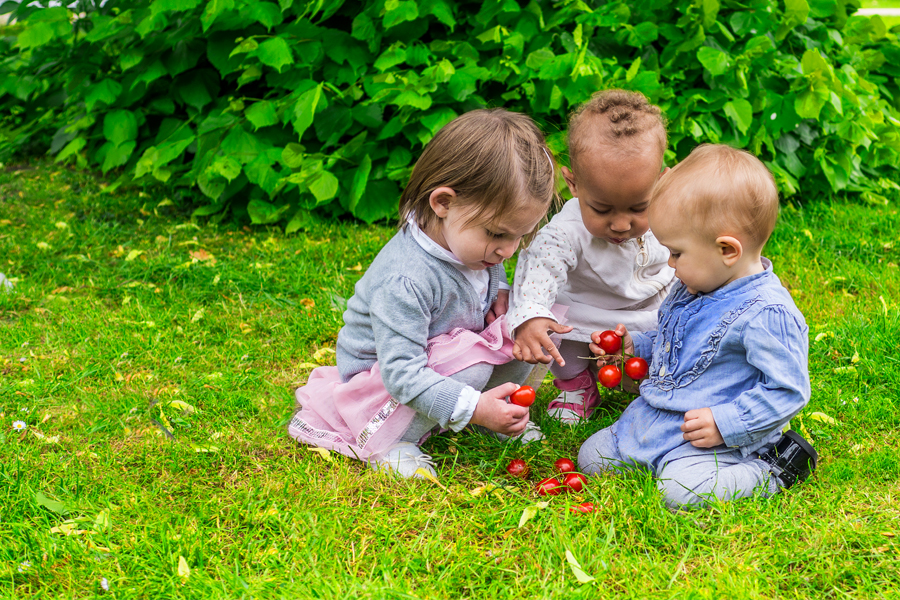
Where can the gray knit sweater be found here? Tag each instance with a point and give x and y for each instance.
(407, 297)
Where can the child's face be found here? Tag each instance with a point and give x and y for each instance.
(699, 261)
(482, 244)
(614, 192)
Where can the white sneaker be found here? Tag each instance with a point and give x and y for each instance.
(404, 458)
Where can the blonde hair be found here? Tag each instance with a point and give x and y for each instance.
(723, 191)
(495, 161)
(616, 118)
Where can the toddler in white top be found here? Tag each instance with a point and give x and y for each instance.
(597, 255)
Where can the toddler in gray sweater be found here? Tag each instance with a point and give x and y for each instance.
(425, 342)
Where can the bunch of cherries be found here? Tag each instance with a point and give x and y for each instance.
(610, 375)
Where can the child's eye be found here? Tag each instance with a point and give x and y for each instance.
(493, 234)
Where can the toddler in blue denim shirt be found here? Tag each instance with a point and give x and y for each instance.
(728, 360)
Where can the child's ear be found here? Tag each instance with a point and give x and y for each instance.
(440, 201)
(730, 249)
(569, 176)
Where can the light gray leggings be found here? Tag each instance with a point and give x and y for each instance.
(570, 350)
(481, 376)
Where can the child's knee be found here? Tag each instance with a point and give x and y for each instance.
(598, 453)
(678, 495)
(475, 376)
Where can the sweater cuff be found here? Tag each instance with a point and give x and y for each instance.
(443, 402)
(642, 345)
(730, 426)
(465, 408)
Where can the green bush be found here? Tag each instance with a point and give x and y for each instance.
(275, 109)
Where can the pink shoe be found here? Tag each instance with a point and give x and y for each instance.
(578, 399)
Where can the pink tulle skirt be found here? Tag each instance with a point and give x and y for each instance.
(360, 419)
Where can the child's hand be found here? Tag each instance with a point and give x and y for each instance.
(499, 307)
(700, 428)
(532, 341)
(627, 345)
(493, 412)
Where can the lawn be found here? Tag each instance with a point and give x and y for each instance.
(153, 359)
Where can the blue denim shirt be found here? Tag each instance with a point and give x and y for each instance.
(740, 350)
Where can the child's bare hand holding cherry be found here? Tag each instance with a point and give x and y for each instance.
(493, 412)
(606, 349)
(700, 428)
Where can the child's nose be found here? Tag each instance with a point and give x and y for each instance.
(620, 223)
(507, 249)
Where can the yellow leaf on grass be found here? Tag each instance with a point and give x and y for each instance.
(201, 255)
(824, 335)
(70, 527)
(181, 404)
(579, 573)
(426, 475)
(483, 489)
(184, 571)
(204, 447)
(855, 358)
(321, 452)
(808, 234)
(321, 353)
(102, 520)
(197, 316)
(822, 418)
(307, 366)
(133, 255)
(530, 512)
(850, 369)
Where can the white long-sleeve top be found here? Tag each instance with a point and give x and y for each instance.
(602, 283)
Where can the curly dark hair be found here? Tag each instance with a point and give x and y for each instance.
(616, 118)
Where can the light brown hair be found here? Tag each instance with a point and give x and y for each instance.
(722, 191)
(495, 161)
(618, 118)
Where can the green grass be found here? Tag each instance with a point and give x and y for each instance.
(123, 305)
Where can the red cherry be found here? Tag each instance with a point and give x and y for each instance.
(584, 508)
(549, 487)
(517, 468)
(636, 368)
(564, 465)
(575, 481)
(610, 376)
(610, 342)
(524, 396)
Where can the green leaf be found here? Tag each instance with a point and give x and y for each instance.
(120, 126)
(227, 167)
(809, 103)
(71, 148)
(713, 60)
(247, 45)
(261, 114)
(580, 575)
(741, 113)
(118, 155)
(105, 91)
(266, 13)
(275, 52)
(379, 201)
(214, 9)
(324, 187)
(360, 178)
(539, 58)
(414, 99)
(632, 70)
(151, 74)
(193, 92)
(362, 28)
(795, 13)
(405, 10)
(710, 10)
(394, 55)
(440, 9)
(50, 504)
(35, 35)
(159, 6)
(265, 213)
(305, 109)
(292, 156)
